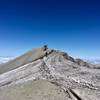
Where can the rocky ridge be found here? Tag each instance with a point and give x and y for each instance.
(77, 79)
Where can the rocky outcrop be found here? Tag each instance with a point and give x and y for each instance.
(81, 62)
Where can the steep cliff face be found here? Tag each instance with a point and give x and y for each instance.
(78, 79)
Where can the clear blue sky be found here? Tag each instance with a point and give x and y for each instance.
(69, 25)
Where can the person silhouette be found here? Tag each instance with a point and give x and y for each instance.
(45, 47)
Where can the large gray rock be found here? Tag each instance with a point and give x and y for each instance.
(33, 90)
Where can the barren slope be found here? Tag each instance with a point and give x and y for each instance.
(22, 60)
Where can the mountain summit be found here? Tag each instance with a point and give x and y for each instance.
(66, 77)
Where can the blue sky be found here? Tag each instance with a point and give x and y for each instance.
(69, 25)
